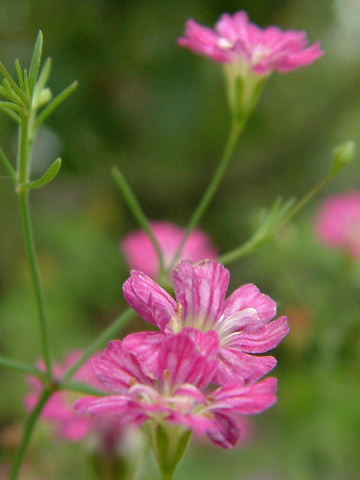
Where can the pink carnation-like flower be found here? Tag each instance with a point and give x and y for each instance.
(338, 223)
(236, 40)
(176, 389)
(60, 411)
(241, 322)
(141, 254)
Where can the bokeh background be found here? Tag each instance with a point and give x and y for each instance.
(159, 112)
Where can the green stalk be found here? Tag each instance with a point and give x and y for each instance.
(30, 424)
(235, 131)
(35, 276)
(137, 211)
(21, 367)
(99, 342)
(249, 246)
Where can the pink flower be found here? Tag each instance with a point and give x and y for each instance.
(141, 254)
(176, 391)
(338, 223)
(59, 410)
(237, 41)
(241, 322)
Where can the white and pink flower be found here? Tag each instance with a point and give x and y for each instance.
(236, 40)
(175, 390)
(242, 323)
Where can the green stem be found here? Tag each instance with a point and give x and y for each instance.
(235, 131)
(21, 367)
(138, 213)
(249, 246)
(35, 275)
(30, 424)
(99, 342)
(6, 163)
(306, 199)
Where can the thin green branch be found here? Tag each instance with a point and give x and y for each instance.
(6, 163)
(80, 387)
(235, 131)
(99, 342)
(136, 209)
(30, 424)
(55, 103)
(35, 275)
(12, 83)
(21, 367)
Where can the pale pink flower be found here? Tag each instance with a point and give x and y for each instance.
(338, 223)
(176, 390)
(60, 413)
(141, 254)
(236, 40)
(241, 322)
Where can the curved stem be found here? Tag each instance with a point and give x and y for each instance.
(35, 275)
(235, 131)
(138, 213)
(103, 338)
(30, 424)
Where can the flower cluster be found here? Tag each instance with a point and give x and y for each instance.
(198, 371)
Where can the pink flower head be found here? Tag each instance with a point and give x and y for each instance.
(59, 410)
(175, 391)
(241, 322)
(236, 40)
(338, 223)
(141, 254)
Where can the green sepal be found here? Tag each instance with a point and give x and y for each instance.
(343, 155)
(48, 176)
(169, 443)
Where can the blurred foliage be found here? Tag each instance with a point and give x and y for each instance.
(159, 112)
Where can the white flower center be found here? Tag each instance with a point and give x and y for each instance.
(225, 43)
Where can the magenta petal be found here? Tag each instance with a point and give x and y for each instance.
(201, 290)
(149, 300)
(225, 430)
(266, 338)
(198, 423)
(208, 343)
(249, 296)
(145, 346)
(108, 404)
(235, 365)
(180, 362)
(117, 369)
(246, 399)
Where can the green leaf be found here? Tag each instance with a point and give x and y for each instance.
(35, 61)
(19, 74)
(48, 176)
(43, 76)
(55, 103)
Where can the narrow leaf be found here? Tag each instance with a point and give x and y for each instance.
(19, 74)
(35, 61)
(55, 103)
(48, 176)
(43, 76)
(13, 85)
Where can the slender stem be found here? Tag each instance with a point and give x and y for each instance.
(249, 246)
(24, 151)
(306, 199)
(82, 388)
(35, 275)
(30, 424)
(138, 212)
(102, 339)
(235, 131)
(6, 163)
(21, 367)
